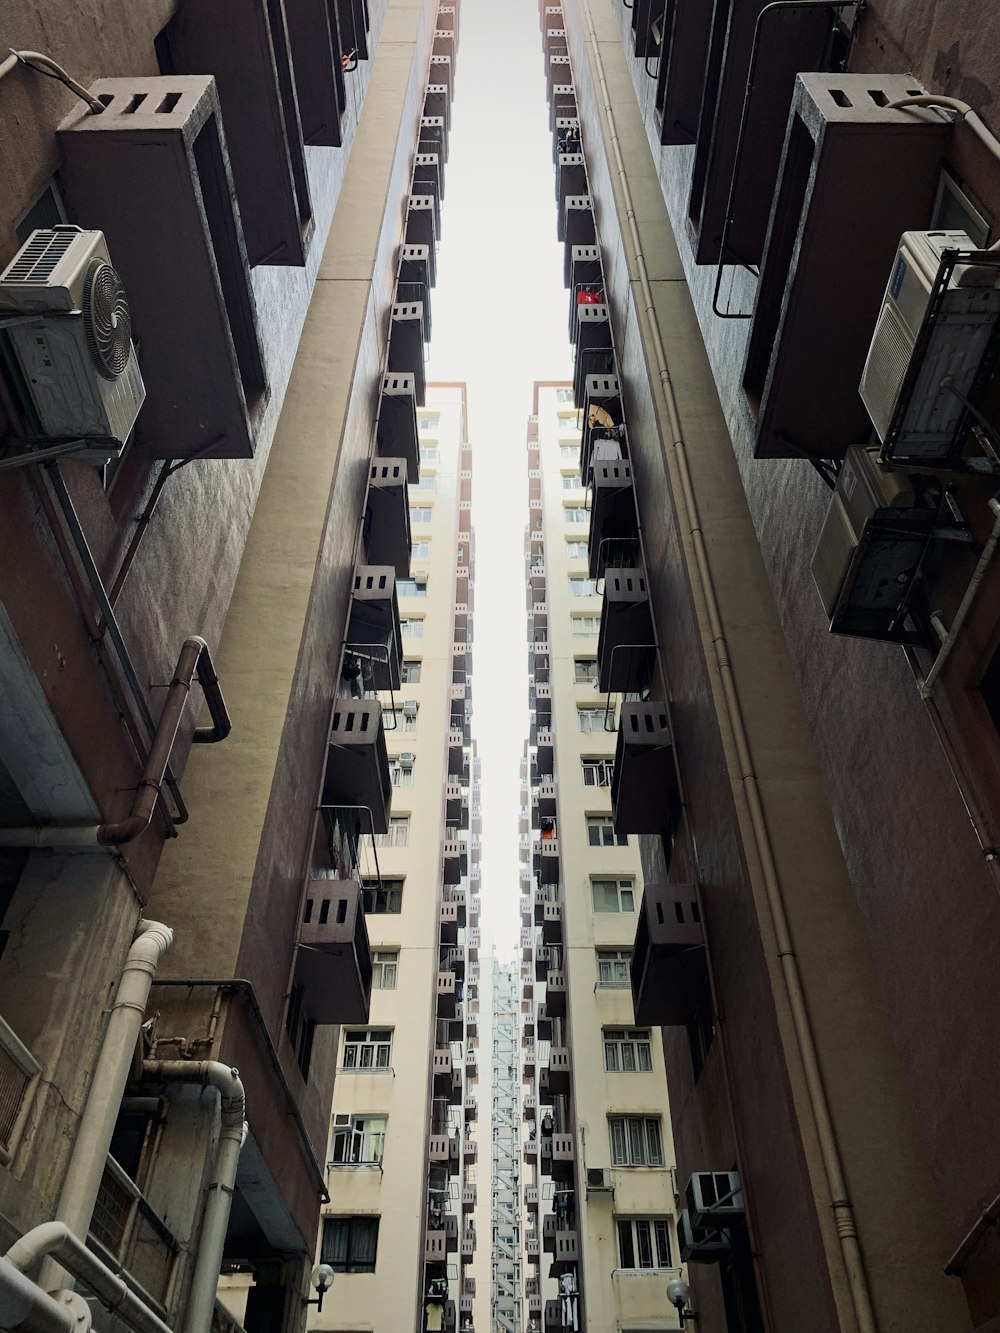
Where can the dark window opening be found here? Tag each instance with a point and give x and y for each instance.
(350, 1244)
(989, 689)
(701, 1031)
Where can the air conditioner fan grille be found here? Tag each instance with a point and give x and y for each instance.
(106, 319)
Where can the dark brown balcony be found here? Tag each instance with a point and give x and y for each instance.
(562, 104)
(374, 636)
(532, 1246)
(396, 431)
(455, 860)
(468, 1243)
(437, 102)
(316, 44)
(555, 993)
(625, 650)
(552, 17)
(449, 922)
(406, 345)
(552, 925)
(443, 1150)
(387, 517)
(645, 794)
(559, 1070)
(357, 765)
(441, 1069)
(543, 752)
(468, 1197)
(553, 1316)
(558, 72)
(681, 74)
(471, 1107)
(333, 962)
(543, 1023)
(542, 956)
(530, 1106)
(433, 136)
(353, 22)
(446, 994)
(422, 222)
(669, 963)
(548, 860)
(263, 133)
(812, 328)
(614, 523)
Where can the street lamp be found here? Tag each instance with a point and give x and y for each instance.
(678, 1294)
(322, 1280)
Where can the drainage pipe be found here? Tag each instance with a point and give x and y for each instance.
(926, 686)
(54, 1241)
(194, 657)
(734, 733)
(23, 1305)
(215, 1220)
(114, 1063)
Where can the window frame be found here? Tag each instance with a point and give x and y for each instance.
(582, 585)
(406, 676)
(627, 1050)
(603, 767)
(624, 885)
(577, 623)
(646, 1234)
(392, 888)
(360, 1138)
(637, 1143)
(355, 1223)
(383, 959)
(377, 1040)
(595, 719)
(603, 825)
(611, 963)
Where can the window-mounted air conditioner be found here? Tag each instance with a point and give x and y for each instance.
(950, 357)
(714, 1199)
(699, 1245)
(410, 705)
(407, 758)
(74, 344)
(599, 1180)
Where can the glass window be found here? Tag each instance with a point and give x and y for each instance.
(385, 968)
(601, 832)
(410, 674)
(367, 1048)
(385, 898)
(421, 514)
(411, 627)
(585, 670)
(398, 835)
(627, 1051)
(401, 772)
(597, 772)
(577, 550)
(420, 550)
(613, 968)
(564, 395)
(357, 1140)
(576, 514)
(428, 480)
(643, 1242)
(411, 587)
(613, 895)
(571, 481)
(579, 587)
(429, 421)
(429, 453)
(569, 452)
(584, 626)
(349, 1244)
(636, 1140)
(592, 719)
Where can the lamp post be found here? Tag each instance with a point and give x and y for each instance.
(678, 1294)
(322, 1280)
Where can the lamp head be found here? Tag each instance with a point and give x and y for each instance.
(322, 1277)
(678, 1292)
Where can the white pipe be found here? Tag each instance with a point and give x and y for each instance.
(55, 1239)
(23, 1305)
(219, 1194)
(948, 642)
(962, 109)
(34, 59)
(735, 738)
(93, 1139)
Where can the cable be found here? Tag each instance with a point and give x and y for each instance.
(42, 64)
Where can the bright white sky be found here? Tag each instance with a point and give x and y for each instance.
(499, 323)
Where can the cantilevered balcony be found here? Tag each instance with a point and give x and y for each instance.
(333, 962)
(552, 926)
(406, 345)
(555, 993)
(558, 1070)
(447, 984)
(593, 343)
(562, 104)
(396, 432)
(444, 1150)
(374, 636)
(357, 765)
(387, 516)
(544, 757)
(614, 522)
(547, 860)
(437, 102)
(316, 44)
(456, 859)
(645, 794)
(625, 651)
(542, 956)
(449, 921)
(527, 944)
(669, 964)
(441, 1069)
(543, 1023)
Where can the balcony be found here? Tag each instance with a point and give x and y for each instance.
(204, 393)
(441, 71)
(531, 1151)
(554, 40)
(387, 517)
(333, 961)
(455, 860)
(625, 650)
(669, 962)
(555, 993)
(417, 270)
(543, 1023)
(542, 955)
(547, 797)
(447, 985)
(547, 860)
(456, 752)
(571, 180)
(543, 752)
(558, 72)
(437, 103)
(532, 1247)
(645, 795)
(435, 1247)
(812, 329)
(441, 1070)
(562, 106)
(449, 921)
(558, 1070)
(530, 1106)
(423, 225)
(472, 942)
(396, 429)
(527, 943)
(552, 17)
(681, 75)
(553, 1316)
(263, 132)
(566, 1253)
(472, 1064)
(601, 403)
(406, 345)
(471, 1107)
(552, 926)
(317, 44)
(468, 1197)
(468, 1244)
(592, 339)
(443, 1150)
(472, 1017)
(434, 136)
(614, 523)
(528, 1059)
(373, 631)
(357, 765)
(470, 1150)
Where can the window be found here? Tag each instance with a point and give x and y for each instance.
(601, 832)
(585, 670)
(592, 719)
(367, 1048)
(584, 626)
(627, 1051)
(421, 514)
(613, 968)
(597, 772)
(429, 453)
(579, 587)
(385, 968)
(357, 1140)
(349, 1244)
(564, 395)
(571, 481)
(398, 835)
(643, 1242)
(383, 899)
(410, 674)
(613, 895)
(401, 771)
(575, 514)
(576, 550)
(411, 627)
(428, 480)
(411, 587)
(701, 1030)
(569, 452)
(301, 1029)
(636, 1140)
(429, 421)
(420, 550)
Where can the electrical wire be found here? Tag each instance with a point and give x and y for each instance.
(42, 64)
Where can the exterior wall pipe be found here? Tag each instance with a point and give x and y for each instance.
(926, 686)
(194, 656)
(215, 1220)
(93, 1140)
(731, 721)
(23, 1305)
(54, 1239)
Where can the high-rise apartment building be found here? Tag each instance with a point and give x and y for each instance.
(772, 216)
(507, 1294)
(213, 341)
(601, 1242)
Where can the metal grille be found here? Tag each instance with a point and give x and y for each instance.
(887, 364)
(111, 1212)
(13, 1085)
(40, 256)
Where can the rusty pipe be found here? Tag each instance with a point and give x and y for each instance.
(194, 658)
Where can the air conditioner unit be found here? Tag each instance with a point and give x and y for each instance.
(714, 1199)
(599, 1180)
(410, 705)
(407, 757)
(699, 1245)
(76, 355)
(953, 350)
